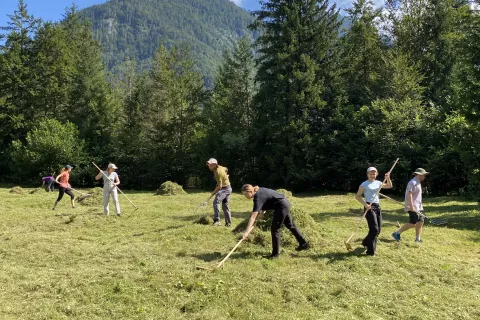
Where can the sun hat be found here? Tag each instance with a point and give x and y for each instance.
(371, 169)
(420, 171)
(212, 161)
(111, 165)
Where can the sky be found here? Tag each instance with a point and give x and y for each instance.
(53, 9)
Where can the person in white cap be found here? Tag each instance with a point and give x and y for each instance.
(369, 189)
(413, 205)
(110, 183)
(222, 192)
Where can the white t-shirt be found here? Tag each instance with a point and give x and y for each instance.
(109, 183)
(370, 192)
(415, 187)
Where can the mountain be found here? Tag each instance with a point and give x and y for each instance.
(133, 29)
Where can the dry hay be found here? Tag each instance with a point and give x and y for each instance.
(205, 219)
(170, 188)
(94, 197)
(261, 234)
(285, 192)
(17, 190)
(36, 190)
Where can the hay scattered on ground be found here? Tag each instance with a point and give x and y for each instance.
(261, 234)
(17, 190)
(94, 197)
(37, 190)
(285, 192)
(170, 188)
(205, 219)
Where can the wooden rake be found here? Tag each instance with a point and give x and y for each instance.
(436, 222)
(220, 264)
(347, 242)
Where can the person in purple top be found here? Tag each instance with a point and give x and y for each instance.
(413, 205)
(268, 199)
(48, 182)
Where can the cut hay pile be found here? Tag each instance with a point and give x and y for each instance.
(285, 192)
(261, 235)
(37, 190)
(94, 197)
(170, 188)
(17, 190)
(205, 219)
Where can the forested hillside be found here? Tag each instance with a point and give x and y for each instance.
(133, 29)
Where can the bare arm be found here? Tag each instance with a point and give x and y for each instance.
(217, 188)
(359, 198)
(117, 180)
(251, 221)
(99, 176)
(389, 183)
(410, 201)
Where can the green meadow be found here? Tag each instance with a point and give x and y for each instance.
(80, 264)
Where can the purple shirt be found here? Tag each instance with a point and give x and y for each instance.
(47, 179)
(414, 187)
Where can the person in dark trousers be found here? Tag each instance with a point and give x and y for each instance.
(222, 192)
(268, 199)
(62, 180)
(48, 182)
(369, 189)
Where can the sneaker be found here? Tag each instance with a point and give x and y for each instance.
(418, 241)
(118, 214)
(216, 223)
(302, 247)
(396, 236)
(271, 256)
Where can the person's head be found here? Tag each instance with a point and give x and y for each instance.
(372, 173)
(249, 191)
(212, 164)
(67, 168)
(111, 167)
(420, 174)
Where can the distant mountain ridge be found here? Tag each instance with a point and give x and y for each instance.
(133, 29)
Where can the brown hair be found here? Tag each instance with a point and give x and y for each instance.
(249, 187)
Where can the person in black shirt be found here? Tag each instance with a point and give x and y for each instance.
(268, 199)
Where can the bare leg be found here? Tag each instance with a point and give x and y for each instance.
(418, 229)
(405, 227)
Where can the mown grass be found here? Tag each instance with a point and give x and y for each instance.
(79, 264)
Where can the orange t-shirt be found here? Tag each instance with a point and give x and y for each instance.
(63, 179)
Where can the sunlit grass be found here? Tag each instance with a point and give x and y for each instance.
(79, 264)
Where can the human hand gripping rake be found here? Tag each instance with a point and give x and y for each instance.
(203, 204)
(347, 242)
(437, 222)
(103, 173)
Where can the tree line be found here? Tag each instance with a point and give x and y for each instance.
(306, 105)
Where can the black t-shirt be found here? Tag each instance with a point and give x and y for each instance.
(266, 199)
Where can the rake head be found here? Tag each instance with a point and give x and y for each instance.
(438, 222)
(348, 246)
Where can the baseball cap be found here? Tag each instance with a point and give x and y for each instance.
(371, 169)
(68, 166)
(420, 171)
(212, 161)
(111, 165)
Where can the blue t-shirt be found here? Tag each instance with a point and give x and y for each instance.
(371, 189)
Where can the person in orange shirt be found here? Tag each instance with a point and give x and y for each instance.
(62, 180)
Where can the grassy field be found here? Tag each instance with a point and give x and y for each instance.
(80, 264)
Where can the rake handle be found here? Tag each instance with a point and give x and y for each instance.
(230, 253)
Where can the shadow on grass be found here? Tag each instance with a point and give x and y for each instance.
(335, 256)
(157, 230)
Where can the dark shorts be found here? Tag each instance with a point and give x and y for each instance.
(415, 217)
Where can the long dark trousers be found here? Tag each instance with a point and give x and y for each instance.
(281, 216)
(62, 191)
(374, 220)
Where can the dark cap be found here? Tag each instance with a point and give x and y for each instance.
(68, 166)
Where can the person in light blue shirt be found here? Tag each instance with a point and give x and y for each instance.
(371, 203)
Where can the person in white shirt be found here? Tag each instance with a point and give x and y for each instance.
(110, 183)
(414, 206)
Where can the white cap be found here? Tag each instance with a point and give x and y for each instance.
(212, 161)
(111, 165)
(371, 169)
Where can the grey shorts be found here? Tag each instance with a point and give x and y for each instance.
(415, 217)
